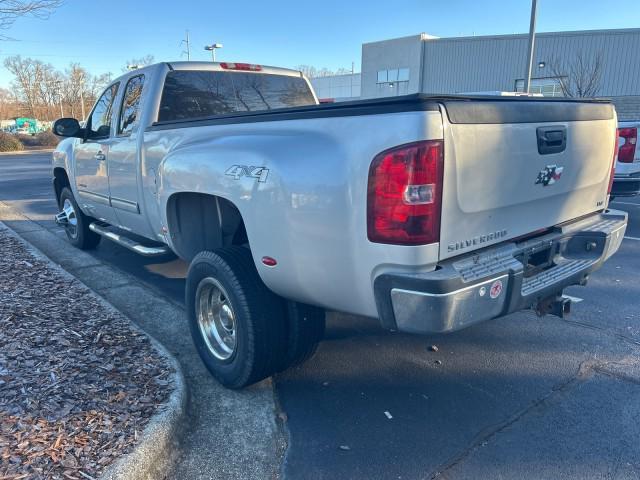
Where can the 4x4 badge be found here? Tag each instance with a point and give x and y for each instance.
(549, 175)
(239, 171)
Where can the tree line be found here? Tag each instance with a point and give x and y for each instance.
(310, 71)
(40, 91)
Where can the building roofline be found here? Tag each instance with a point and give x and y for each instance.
(418, 36)
(565, 33)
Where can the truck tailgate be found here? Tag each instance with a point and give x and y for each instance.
(516, 166)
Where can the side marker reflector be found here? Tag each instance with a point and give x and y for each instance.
(269, 261)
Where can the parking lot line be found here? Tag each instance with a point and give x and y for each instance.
(627, 203)
(632, 238)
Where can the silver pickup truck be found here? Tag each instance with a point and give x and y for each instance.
(429, 213)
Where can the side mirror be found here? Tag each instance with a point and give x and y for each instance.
(68, 127)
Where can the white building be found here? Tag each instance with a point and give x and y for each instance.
(337, 87)
(428, 64)
(498, 62)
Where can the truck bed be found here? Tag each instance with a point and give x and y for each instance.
(460, 109)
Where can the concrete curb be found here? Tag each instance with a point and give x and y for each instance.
(154, 454)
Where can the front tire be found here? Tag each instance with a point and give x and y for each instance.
(77, 227)
(237, 324)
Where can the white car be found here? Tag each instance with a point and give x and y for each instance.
(626, 181)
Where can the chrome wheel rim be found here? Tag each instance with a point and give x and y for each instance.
(72, 218)
(216, 318)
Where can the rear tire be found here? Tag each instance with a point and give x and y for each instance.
(237, 324)
(77, 229)
(306, 325)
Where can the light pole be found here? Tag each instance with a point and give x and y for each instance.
(212, 48)
(82, 97)
(532, 39)
(188, 51)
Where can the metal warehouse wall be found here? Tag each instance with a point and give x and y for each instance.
(338, 87)
(471, 64)
(395, 53)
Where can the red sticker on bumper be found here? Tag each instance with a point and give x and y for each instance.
(496, 289)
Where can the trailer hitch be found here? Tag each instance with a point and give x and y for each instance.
(557, 305)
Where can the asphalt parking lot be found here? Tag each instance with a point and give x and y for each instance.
(511, 398)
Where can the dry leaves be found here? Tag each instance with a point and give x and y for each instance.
(77, 384)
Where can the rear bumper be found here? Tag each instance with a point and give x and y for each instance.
(626, 186)
(492, 283)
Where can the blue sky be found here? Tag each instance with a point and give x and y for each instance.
(102, 36)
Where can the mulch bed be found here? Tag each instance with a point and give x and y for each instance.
(77, 382)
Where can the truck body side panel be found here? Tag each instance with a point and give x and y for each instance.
(310, 212)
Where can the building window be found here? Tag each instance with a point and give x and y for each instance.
(392, 82)
(393, 75)
(548, 87)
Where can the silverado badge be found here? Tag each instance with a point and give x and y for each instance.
(549, 175)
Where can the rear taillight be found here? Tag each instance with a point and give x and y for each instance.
(405, 194)
(241, 66)
(627, 150)
(613, 163)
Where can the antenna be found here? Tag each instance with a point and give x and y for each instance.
(188, 50)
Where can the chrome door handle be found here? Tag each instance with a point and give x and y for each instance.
(101, 157)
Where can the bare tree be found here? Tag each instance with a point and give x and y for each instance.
(580, 76)
(11, 10)
(28, 75)
(313, 72)
(46, 93)
(8, 105)
(308, 70)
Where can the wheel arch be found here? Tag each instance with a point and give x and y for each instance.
(60, 180)
(200, 221)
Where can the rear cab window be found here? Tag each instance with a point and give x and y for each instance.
(130, 109)
(192, 94)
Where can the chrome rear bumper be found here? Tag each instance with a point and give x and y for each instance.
(498, 280)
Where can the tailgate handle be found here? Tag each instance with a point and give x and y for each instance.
(551, 139)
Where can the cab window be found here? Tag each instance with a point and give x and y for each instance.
(190, 94)
(130, 111)
(99, 124)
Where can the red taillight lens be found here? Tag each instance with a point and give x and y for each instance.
(627, 150)
(613, 162)
(405, 194)
(241, 66)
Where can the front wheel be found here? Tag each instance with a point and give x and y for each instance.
(238, 325)
(76, 223)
